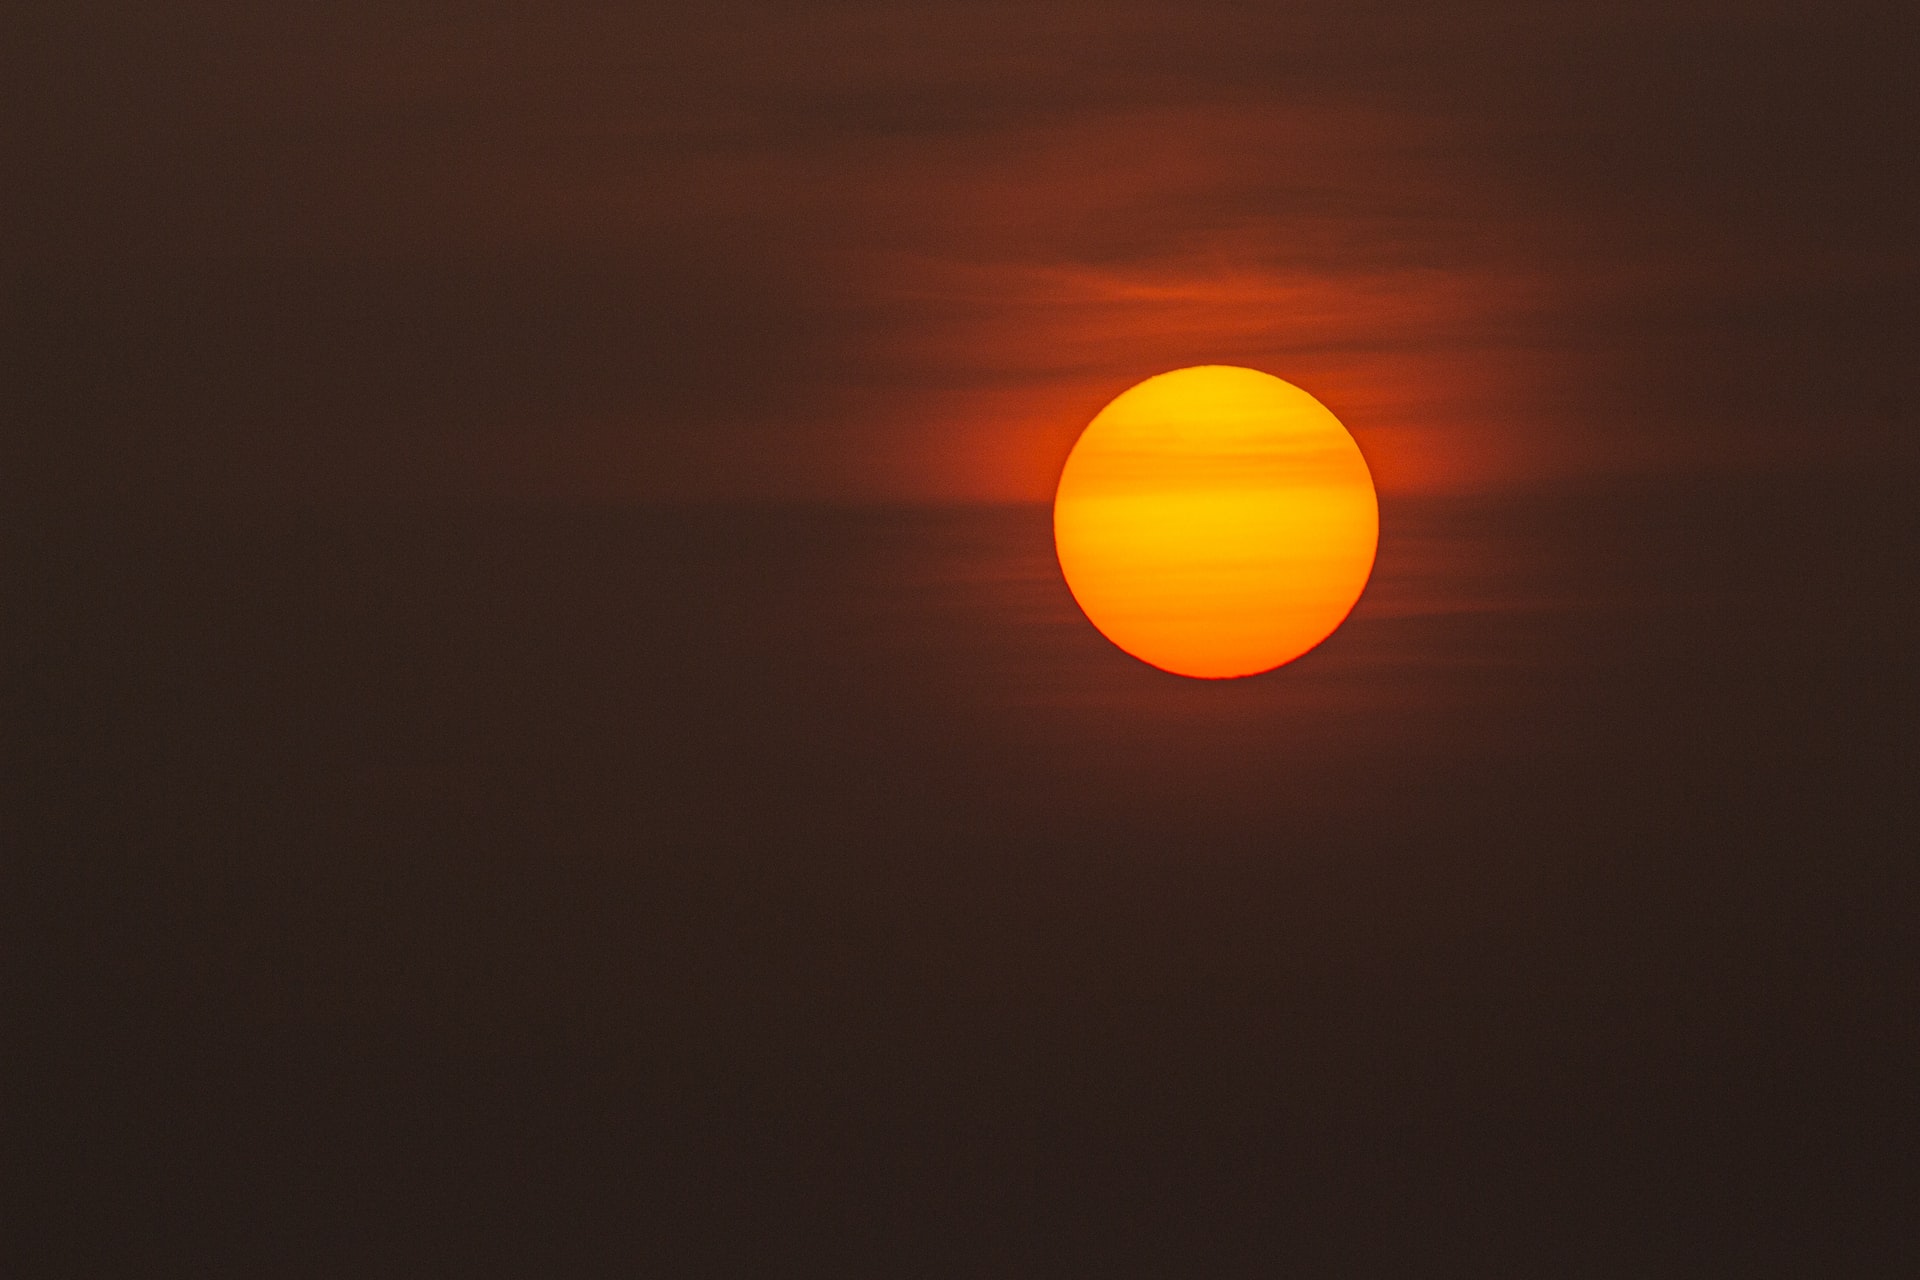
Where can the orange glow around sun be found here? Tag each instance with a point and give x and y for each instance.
(1216, 521)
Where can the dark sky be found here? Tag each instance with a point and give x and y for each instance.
(905, 251)
(541, 733)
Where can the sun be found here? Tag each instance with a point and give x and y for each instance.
(1216, 522)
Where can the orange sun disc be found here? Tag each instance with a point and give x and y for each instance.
(1216, 521)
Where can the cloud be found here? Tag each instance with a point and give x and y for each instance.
(866, 250)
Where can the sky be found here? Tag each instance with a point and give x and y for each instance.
(542, 732)
(903, 253)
